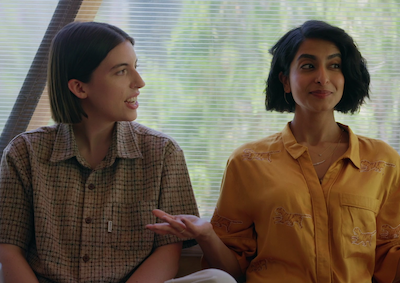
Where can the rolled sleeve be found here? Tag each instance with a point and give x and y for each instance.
(231, 219)
(388, 240)
(176, 194)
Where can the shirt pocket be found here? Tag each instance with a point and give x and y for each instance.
(358, 217)
(128, 227)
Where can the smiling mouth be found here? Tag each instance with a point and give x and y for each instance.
(321, 92)
(132, 100)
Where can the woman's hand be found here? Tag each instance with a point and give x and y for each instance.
(216, 253)
(182, 226)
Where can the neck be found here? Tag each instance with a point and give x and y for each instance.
(91, 136)
(315, 129)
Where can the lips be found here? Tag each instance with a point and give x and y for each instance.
(321, 93)
(132, 103)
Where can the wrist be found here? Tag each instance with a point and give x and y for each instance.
(207, 235)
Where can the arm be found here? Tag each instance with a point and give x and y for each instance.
(160, 266)
(397, 277)
(16, 225)
(217, 254)
(15, 266)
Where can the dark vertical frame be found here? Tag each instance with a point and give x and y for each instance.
(35, 80)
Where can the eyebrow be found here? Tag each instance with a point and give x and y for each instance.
(309, 56)
(122, 64)
(119, 65)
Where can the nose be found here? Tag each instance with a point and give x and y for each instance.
(322, 76)
(137, 81)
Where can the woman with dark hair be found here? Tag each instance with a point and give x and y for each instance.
(315, 202)
(75, 196)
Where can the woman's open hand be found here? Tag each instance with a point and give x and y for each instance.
(182, 226)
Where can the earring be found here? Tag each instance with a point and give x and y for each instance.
(284, 96)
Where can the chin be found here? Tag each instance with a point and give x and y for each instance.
(130, 117)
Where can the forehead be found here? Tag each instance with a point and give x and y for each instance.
(123, 53)
(316, 47)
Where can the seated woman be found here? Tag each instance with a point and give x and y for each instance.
(315, 202)
(75, 196)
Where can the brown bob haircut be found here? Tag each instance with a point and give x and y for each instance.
(75, 52)
(354, 69)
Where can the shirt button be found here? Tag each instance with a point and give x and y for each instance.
(86, 258)
(91, 186)
(88, 220)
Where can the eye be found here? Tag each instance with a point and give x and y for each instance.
(307, 66)
(121, 72)
(336, 66)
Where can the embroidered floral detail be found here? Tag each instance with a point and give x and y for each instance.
(362, 238)
(377, 166)
(289, 219)
(388, 232)
(249, 154)
(220, 221)
(258, 265)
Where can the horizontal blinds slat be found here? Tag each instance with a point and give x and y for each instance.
(24, 24)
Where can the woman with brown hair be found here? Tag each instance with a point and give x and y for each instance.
(75, 196)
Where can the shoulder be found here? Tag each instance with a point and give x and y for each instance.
(259, 148)
(28, 141)
(147, 137)
(376, 148)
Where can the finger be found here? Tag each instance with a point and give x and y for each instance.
(197, 227)
(174, 221)
(189, 224)
(176, 224)
(160, 214)
(157, 230)
(164, 230)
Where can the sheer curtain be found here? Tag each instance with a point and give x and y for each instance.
(205, 64)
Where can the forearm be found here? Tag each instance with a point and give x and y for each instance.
(397, 277)
(15, 266)
(218, 255)
(160, 266)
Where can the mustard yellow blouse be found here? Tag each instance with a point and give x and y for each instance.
(285, 226)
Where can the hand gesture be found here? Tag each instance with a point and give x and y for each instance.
(182, 226)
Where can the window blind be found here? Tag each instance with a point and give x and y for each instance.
(23, 26)
(205, 64)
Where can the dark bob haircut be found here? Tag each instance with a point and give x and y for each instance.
(354, 69)
(75, 52)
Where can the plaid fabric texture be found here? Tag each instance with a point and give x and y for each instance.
(60, 211)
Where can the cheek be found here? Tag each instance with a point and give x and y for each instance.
(342, 82)
(339, 83)
(295, 83)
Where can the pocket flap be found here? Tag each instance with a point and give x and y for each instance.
(360, 202)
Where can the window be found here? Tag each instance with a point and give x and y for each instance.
(205, 64)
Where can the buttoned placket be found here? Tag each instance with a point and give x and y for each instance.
(320, 217)
(87, 232)
(331, 177)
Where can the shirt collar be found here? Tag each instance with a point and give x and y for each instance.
(127, 145)
(296, 150)
(124, 143)
(353, 152)
(64, 144)
(289, 141)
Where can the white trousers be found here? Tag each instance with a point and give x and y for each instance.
(205, 276)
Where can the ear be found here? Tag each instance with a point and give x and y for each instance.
(77, 88)
(285, 81)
